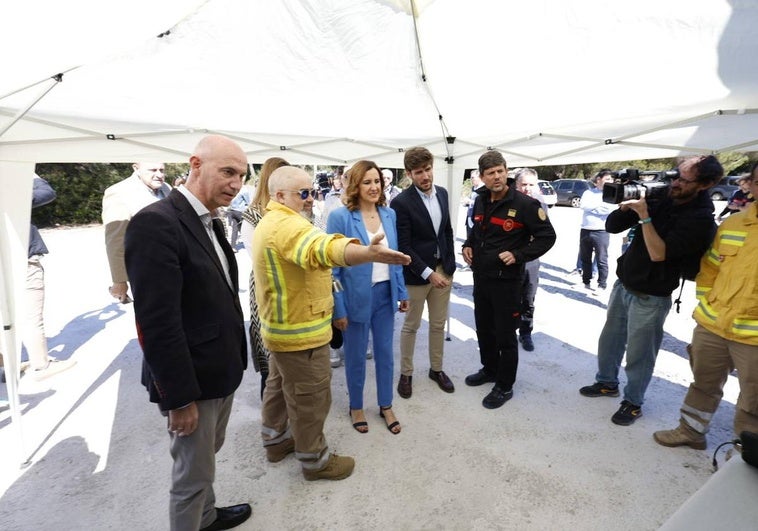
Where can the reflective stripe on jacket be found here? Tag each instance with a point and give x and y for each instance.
(727, 285)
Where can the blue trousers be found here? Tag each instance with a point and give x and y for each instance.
(635, 324)
(382, 326)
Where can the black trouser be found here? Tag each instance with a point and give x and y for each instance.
(497, 315)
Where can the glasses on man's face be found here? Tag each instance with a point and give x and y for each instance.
(304, 193)
(680, 178)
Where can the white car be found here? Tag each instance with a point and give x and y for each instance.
(548, 193)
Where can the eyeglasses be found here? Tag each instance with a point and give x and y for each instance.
(680, 178)
(304, 193)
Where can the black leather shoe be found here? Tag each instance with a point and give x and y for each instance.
(405, 386)
(497, 397)
(479, 378)
(442, 380)
(526, 342)
(229, 517)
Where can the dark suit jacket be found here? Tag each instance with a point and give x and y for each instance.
(416, 236)
(189, 320)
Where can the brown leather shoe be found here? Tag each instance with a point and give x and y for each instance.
(405, 386)
(442, 380)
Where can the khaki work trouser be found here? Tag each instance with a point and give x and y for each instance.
(297, 398)
(712, 359)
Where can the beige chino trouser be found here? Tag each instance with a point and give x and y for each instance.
(437, 301)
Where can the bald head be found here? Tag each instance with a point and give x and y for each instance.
(218, 167)
(285, 184)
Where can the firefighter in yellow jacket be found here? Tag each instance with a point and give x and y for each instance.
(292, 262)
(726, 335)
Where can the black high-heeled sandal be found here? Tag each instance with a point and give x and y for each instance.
(390, 427)
(360, 426)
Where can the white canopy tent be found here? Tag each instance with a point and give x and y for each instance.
(334, 81)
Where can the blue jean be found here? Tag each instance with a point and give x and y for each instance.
(355, 338)
(635, 324)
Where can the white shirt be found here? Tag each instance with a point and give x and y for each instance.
(207, 219)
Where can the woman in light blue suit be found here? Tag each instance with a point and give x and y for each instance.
(370, 294)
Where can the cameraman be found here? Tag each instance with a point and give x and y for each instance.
(669, 236)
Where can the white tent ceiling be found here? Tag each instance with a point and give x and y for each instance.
(331, 81)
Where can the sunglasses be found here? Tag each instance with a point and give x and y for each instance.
(304, 193)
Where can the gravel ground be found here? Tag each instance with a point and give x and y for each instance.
(97, 454)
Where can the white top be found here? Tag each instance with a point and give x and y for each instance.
(595, 209)
(379, 272)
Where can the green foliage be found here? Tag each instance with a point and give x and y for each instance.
(80, 188)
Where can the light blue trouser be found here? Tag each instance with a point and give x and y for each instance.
(635, 324)
(382, 325)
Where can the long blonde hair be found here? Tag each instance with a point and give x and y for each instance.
(262, 197)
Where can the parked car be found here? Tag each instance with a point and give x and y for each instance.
(725, 188)
(548, 193)
(569, 191)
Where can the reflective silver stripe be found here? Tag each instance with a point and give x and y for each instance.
(696, 419)
(274, 437)
(313, 461)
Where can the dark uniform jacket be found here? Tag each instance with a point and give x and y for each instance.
(515, 223)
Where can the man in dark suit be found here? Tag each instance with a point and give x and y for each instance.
(190, 325)
(425, 233)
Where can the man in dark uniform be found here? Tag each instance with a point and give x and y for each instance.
(509, 230)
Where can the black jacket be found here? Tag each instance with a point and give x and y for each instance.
(416, 236)
(515, 223)
(189, 320)
(687, 231)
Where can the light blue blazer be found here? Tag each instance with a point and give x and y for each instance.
(354, 302)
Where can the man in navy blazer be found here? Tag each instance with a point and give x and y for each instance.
(190, 325)
(425, 233)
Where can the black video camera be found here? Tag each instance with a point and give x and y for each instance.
(630, 183)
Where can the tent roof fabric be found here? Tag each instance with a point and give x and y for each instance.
(332, 81)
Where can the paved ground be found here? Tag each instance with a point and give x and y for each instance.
(549, 459)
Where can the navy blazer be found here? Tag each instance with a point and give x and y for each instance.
(417, 238)
(354, 302)
(189, 320)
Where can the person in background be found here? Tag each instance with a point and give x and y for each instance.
(740, 199)
(190, 325)
(510, 229)
(424, 232)
(370, 294)
(41, 364)
(476, 186)
(146, 185)
(333, 199)
(293, 262)
(726, 334)
(390, 190)
(669, 234)
(526, 183)
(593, 237)
(234, 213)
(250, 219)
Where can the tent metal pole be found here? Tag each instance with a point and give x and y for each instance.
(20, 114)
